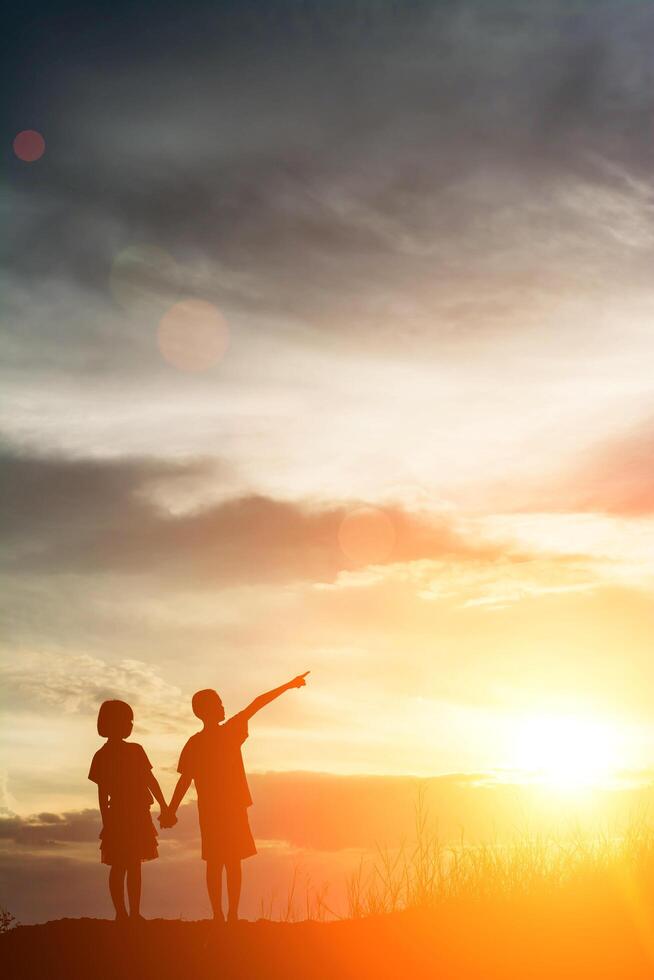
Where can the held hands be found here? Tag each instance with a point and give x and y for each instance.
(167, 819)
(299, 681)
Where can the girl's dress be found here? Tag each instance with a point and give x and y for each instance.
(121, 769)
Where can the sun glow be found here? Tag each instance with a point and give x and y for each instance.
(567, 752)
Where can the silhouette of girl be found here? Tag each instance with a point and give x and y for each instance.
(126, 786)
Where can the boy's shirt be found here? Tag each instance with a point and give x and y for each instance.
(212, 758)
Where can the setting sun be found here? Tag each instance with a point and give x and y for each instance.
(566, 751)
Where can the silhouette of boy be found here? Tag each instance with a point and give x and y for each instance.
(126, 785)
(212, 759)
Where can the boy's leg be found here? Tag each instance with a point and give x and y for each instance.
(215, 888)
(134, 889)
(117, 889)
(233, 870)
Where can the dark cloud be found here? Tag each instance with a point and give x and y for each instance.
(365, 165)
(51, 829)
(316, 811)
(86, 515)
(325, 812)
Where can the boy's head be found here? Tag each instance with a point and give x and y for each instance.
(207, 706)
(115, 719)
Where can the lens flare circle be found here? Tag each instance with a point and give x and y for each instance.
(367, 536)
(29, 145)
(193, 336)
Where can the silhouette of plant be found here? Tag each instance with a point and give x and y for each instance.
(431, 873)
(7, 920)
(308, 903)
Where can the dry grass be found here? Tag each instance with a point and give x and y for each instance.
(429, 873)
(304, 902)
(574, 867)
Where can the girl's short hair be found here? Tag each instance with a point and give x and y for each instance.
(115, 719)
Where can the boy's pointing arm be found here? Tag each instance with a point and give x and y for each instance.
(269, 696)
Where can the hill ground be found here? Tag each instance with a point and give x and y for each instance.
(553, 939)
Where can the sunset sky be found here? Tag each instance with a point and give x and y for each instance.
(407, 439)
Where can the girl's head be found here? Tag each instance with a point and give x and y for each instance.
(115, 719)
(207, 706)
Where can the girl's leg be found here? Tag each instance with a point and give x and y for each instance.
(117, 889)
(134, 889)
(215, 888)
(233, 870)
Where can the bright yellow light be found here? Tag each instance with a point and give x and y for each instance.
(566, 751)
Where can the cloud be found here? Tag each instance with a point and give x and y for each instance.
(407, 189)
(305, 810)
(324, 812)
(448, 133)
(79, 683)
(51, 829)
(617, 477)
(86, 516)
